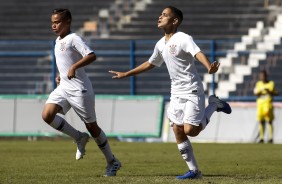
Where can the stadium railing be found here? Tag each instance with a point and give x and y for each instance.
(212, 48)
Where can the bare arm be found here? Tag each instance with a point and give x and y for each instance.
(211, 67)
(259, 92)
(58, 79)
(81, 63)
(139, 69)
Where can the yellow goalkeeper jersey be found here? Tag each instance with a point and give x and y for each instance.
(264, 100)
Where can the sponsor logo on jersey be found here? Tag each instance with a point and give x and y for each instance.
(63, 46)
(172, 49)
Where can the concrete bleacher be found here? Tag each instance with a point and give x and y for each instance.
(204, 19)
(21, 70)
(32, 19)
(26, 41)
(147, 83)
(258, 50)
(218, 19)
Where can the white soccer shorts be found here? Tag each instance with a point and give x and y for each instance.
(83, 105)
(186, 110)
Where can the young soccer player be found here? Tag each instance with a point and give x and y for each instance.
(265, 90)
(75, 90)
(186, 111)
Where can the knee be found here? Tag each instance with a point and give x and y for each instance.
(49, 112)
(48, 118)
(192, 131)
(179, 133)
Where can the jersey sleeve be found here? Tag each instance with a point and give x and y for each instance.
(80, 46)
(189, 46)
(156, 58)
(271, 86)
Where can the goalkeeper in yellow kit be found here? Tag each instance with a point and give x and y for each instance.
(265, 90)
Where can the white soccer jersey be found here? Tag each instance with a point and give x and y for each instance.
(178, 54)
(68, 51)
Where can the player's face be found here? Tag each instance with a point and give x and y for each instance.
(166, 18)
(262, 76)
(60, 26)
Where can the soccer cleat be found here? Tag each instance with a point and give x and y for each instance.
(222, 106)
(81, 143)
(190, 175)
(261, 141)
(112, 168)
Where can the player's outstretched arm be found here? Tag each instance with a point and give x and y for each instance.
(211, 67)
(139, 69)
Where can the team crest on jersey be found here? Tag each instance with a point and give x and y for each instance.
(172, 49)
(63, 46)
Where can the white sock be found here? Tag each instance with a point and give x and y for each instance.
(186, 150)
(62, 125)
(208, 113)
(104, 146)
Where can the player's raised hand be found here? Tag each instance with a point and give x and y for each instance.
(214, 67)
(117, 75)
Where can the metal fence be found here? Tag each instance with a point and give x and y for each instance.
(131, 49)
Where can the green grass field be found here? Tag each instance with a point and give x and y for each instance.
(53, 161)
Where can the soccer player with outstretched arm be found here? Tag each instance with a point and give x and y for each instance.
(186, 112)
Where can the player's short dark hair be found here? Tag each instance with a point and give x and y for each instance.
(65, 13)
(178, 13)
